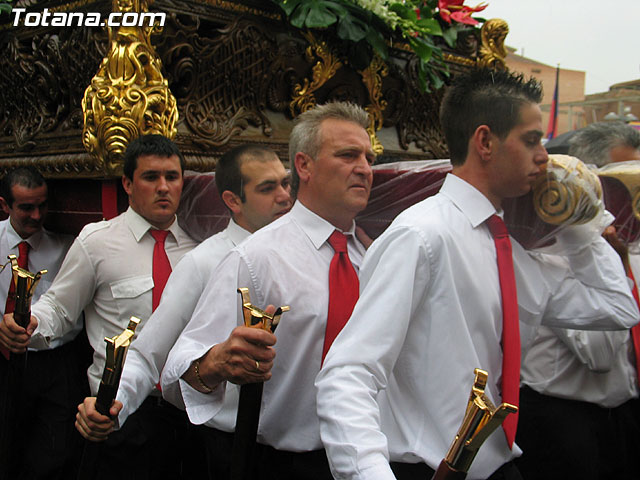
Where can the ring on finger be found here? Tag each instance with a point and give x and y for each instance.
(257, 366)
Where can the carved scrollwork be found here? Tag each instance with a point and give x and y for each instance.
(326, 67)
(128, 97)
(238, 73)
(231, 84)
(372, 79)
(413, 113)
(492, 51)
(220, 79)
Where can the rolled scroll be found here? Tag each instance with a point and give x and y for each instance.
(568, 193)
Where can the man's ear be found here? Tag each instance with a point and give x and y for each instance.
(232, 201)
(126, 184)
(4, 205)
(483, 141)
(304, 165)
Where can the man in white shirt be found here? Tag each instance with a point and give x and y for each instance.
(577, 386)
(51, 382)
(284, 263)
(395, 384)
(254, 186)
(108, 275)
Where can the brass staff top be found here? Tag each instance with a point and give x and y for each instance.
(25, 283)
(256, 317)
(116, 350)
(480, 420)
(19, 272)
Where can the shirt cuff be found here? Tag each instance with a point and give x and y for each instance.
(202, 407)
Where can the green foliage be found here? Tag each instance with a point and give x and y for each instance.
(366, 27)
(5, 7)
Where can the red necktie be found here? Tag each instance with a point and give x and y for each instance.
(23, 262)
(161, 266)
(510, 324)
(343, 289)
(635, 331)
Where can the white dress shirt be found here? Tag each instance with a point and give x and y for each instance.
(46, 252)
(589, 366)
(594, 367)
(284, 263)
(428, 315)
(108, 274)
(148, 353)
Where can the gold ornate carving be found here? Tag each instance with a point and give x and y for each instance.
(492, 51)
(452, 58)
(326, 67)
(128, 97)
(372, 79)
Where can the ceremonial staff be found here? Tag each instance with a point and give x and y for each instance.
(116, 350)
(23, 285)
(480, 420)
(244, 440)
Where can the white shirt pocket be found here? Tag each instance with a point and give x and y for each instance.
(133, 296)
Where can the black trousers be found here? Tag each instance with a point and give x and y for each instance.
(156, 442)
(563, 439)
(271, 464)
(625, 423)
(281, 465)
(218, 446)
(43, 405)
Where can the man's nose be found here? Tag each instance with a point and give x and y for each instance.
(283, 194)
(162, 185)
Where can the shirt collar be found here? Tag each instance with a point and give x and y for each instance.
(139, 225)
(236, 233)
(315, 227)
(469, 200)
(14, 239)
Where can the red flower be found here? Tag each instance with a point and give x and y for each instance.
(455, 10)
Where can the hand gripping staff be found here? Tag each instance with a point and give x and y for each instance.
(480, 420)
(243, 454)
(116, 350)
(25, 284)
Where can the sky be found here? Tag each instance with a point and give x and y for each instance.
(599, 37)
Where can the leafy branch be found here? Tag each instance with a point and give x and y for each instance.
(368, 27)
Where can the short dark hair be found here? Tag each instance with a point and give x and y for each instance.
(484, 97)
(228, 173)
(27, 177)
(149, 145)
(593, 143)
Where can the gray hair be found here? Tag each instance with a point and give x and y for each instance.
(306, 135)
(593, 143)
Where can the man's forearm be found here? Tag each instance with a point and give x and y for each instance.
(201, 376)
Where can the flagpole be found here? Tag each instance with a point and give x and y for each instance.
(552, 129)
